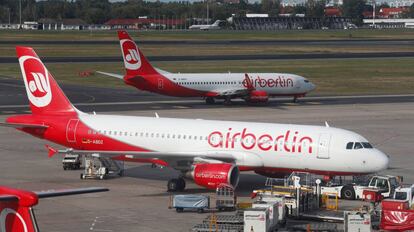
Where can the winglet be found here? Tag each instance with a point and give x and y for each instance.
(51, 151)
(248, 82)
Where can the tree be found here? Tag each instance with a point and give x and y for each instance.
(315, 8)
(353, 9)
(271, 7)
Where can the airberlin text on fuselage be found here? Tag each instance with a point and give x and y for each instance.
(279, 81)
(290, 142)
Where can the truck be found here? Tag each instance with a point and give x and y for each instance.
(404, 194)
(71, 162)
(387, 184)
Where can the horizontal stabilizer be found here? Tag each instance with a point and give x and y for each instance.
(23, 125)
(8, 198)
(111, 75)
(66, 192)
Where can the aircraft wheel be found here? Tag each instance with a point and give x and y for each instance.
(295, 99)
(172, 185)
(181, 184)
(227, 101)
(210, 100)
(348, 192)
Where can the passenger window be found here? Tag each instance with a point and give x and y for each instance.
(358, 146)
(114, 132)
(349, 145)
(89, 132)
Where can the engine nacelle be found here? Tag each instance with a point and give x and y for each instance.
(211, 175)
(258, 96)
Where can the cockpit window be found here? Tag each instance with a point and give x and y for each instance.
(349, 145)
(358, 146)
(306, 81)
(367, 145)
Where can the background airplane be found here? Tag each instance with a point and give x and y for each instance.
(252, 87)
(206, 27)
(209, 152)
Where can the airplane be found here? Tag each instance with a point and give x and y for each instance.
(207, 151)
(16, 206)
(205, 27)
(252, 87)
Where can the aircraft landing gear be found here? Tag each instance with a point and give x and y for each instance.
(210, 101)
(295, 99)
(227, 101)
(176, 185)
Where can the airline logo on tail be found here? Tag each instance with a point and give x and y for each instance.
(11, 225)
(131, 55)
(36, 80)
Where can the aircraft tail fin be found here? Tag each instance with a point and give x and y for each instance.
(136, 64)
(45, 95)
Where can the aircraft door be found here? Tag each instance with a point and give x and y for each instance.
(160, 83)
(71, 130)
(323, 146)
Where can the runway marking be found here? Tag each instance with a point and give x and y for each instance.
(313, 103)
(181, 107)
(291, 104)
(201, 101)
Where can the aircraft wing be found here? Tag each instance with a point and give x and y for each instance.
(23, 125)
(176, 159)
(111, 75)
(233, 92)
(248, 87)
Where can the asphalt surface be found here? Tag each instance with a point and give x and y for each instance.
(342, 42)
(139, 202)
(13, 99)
(94, 59)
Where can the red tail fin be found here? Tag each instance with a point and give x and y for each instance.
(135, 62)
(16, 210)
(45, 96)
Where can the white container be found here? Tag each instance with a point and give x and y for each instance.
(272, 209)
(281, 202)
(357, 221)
(256, 220)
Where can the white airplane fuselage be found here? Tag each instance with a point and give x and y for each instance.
(269, 147)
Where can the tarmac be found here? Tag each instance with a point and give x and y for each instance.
(139, 201)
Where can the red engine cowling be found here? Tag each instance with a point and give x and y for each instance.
(211, 175)
(258, 96)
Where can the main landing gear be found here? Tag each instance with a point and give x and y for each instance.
(210, 101)
(295, 99)
(227, 101)
(176, 185)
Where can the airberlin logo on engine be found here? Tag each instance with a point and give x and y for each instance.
(291, 142)
(36, 80)
(131, 54)
(210, 176)
(279, 81)
(3, 220)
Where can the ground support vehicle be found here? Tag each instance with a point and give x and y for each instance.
(191, 202)
(71, 162)
(97, 167)
(386, 184)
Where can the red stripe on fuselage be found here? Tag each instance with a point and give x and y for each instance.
(160, 84)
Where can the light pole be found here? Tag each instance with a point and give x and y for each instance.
(20, 14)
(207, 12)
(373, 13)
(8, 10)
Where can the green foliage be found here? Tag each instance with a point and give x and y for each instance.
(353, 9)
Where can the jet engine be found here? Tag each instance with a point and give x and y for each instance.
(258, 96)
(211, 175)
